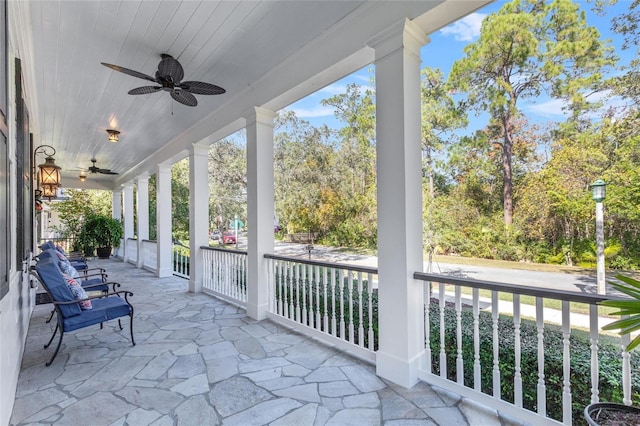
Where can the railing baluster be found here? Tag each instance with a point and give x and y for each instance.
(459, 362)
(318, 280)
(305, 283)
(517, 376)
(334, 332)
(297, 269)
(360, 317)
(426, 286)
(325, 280)
(495, 312)
(342, 322)
(542, 394)
(311, 282)
(443, 353)
(350, 287)
(279, 287)
(566, 364)
(292, 268)
(477, 369)
(593, 330)
(370, 315)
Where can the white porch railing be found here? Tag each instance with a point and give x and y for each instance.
(524, 367)
(541, 364)
(150, 255)
(181, 255)
(334, 302)
(132, 250)
(119, 251)
(225, 274)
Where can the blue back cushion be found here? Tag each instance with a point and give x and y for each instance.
(50, 274)
(47, 245)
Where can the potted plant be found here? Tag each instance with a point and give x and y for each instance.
(606, 413)
(104, 232)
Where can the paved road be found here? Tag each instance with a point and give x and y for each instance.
(556, 280)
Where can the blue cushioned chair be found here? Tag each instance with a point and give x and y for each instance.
(70, 317)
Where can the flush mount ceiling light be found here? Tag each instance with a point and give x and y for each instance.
(113, 135)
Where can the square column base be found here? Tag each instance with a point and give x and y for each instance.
(399, 371)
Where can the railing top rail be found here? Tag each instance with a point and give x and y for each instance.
(149, 241)
(134, 239)
(226, 250)
(550, 293)
(357, 268)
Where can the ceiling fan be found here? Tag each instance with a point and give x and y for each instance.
(169, 78)
(95, 169)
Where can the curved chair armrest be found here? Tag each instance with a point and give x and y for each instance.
(96, 271)
(126, 293)
(113, 285)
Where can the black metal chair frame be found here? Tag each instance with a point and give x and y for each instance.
(60, 317)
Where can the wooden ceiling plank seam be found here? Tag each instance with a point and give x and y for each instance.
(243, 9)
(206, 37)
(178, 20)
(198, 20)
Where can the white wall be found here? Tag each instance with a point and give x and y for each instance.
(17, 305)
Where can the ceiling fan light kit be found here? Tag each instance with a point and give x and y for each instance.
(113, 135)
(168, 78)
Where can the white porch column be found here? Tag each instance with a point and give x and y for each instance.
(142, 202)
(116, 212)
(198, 212)
(128, 217)
(260, 208)
(163, 220)
(400, 297)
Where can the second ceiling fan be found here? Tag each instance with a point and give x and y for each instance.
(96, 169)
(169, 77)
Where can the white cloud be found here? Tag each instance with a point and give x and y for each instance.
(551, 108)
(332, 89)
(317, 111)
(467, 28)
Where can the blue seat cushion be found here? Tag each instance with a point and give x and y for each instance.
(56, 285)
(92, 282)
(104, 309)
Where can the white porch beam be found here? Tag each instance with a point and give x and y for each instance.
(260, 208)
(401, 309)
(142, 197)
(163, 221)
(127, 190)
(198, 212)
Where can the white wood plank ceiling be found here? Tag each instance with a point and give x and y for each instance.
(256, 50)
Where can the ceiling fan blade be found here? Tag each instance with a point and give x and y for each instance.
(169, 68)
(129, 72)
(106, 172)
(144, 90)
(201, 88)
(184, 97)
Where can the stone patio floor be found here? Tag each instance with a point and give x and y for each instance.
(200, 361)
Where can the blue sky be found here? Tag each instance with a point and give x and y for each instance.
(444, 48)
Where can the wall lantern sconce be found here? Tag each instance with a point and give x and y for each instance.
(113, 135)
(49, 174)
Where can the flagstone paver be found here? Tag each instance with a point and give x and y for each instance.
(200, 361)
